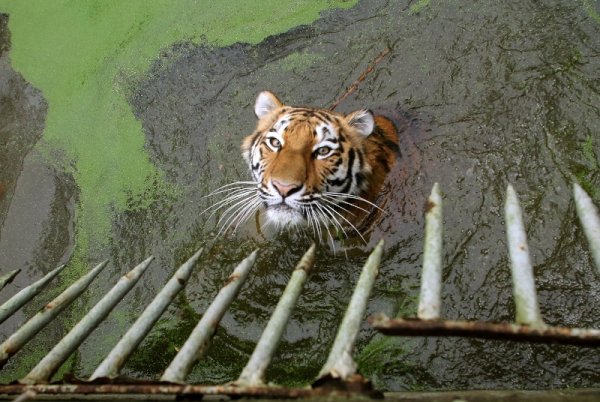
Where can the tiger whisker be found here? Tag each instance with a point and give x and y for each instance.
(239, 215)
(235, 207)
(229, 199)
(218, 190)
(330, 236)
(347, 221)
(248, 213)
(324, 215)
(230, 190)
(354, 197)
(339, 200)
(333, 204)
(316, 222)
(332, 218)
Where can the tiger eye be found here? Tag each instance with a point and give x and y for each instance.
(323, 151)
(275, 143)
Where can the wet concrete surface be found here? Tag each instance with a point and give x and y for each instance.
(485, 94)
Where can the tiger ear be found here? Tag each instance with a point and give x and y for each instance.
(362, 121)
(266, 102)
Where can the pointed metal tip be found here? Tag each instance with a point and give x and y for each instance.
(308, 259)
(198, 253)
(510, 188)
(579, 192)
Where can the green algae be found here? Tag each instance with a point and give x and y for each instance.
(300, 61)
(84, 56)
(591, 12)
(418, 6)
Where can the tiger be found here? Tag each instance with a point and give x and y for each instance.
(312, 167)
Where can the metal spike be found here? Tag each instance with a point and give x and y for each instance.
(112, 364)
(340, 363)
(528, 311)
(590, 220)
(254, 372)
(431, 281)
(17, 340)
(19, 299)
(199, 339)
(6, 279)
(53, 360)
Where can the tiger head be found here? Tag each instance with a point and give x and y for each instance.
(314, 166)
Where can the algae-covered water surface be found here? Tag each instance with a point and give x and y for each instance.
(117, 118)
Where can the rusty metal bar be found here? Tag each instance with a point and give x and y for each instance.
(430, 299)
(53, 360)
(110, 367)
(17, 340)
(254, 372)
(198, 341)
(340, 363)
(26, 294)
(165, 389)
(6, 279)
(487, 330)
(527, 309)
(590, 220)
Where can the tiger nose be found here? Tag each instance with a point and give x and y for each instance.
(285, 189)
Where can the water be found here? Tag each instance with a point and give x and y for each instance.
(485, 95)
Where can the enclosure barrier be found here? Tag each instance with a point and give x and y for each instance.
(528, 326)
(338, 375)
(105, 379)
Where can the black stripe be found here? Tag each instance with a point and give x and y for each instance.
(349, 174)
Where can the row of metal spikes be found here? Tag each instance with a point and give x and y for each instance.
(339, 364)
(529, 325)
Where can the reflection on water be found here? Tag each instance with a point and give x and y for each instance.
(484, 94)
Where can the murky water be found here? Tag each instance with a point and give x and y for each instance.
(485, 94)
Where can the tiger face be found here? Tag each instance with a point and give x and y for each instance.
(314, 166)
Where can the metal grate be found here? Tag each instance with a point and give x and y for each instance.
(338, 375)
(529, 325)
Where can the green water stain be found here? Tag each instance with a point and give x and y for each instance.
(418, 6)
(300, 61)
(590, 10)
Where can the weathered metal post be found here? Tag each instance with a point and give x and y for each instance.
(7, 278)
(590, 220)
(19, 299)
(254, 372)
(199, 339)
(528, 311)
(431, 280)
(53, 360)
(112, 364)
(16, 341)
(340, 363)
